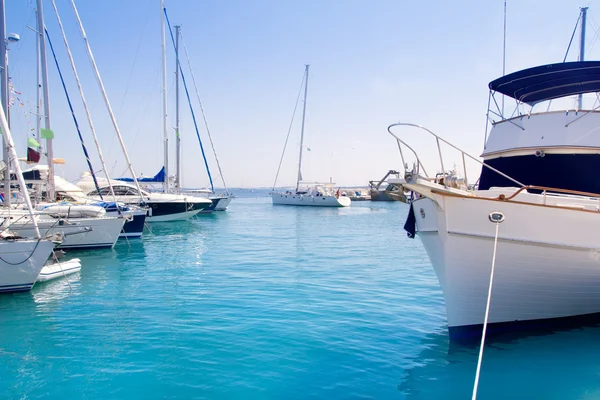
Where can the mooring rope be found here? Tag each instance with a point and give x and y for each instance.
(496, 218)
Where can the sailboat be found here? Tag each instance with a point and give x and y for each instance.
(220, 201)
(21, 259)
(313, 194)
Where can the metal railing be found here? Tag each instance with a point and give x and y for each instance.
(419, 165)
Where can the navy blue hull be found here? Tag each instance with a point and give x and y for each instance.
(561, 171)
(211, 207)
(506, 330)
(133, 228)
(16, 288)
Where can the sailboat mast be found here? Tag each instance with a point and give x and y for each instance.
(582, 48)
(46, 96)
(164, 86)
(302, 130)
(4, 98)
(177, 137)
(105, 97)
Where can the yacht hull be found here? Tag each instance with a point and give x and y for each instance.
(173, 211)
(79, 233)
(21, 262)
(547, 262)
(308, 200)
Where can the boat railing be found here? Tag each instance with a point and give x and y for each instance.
(418, 166)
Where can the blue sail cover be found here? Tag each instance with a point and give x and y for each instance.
(552, 81)
(158, 178)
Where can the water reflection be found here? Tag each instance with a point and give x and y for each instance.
(555, 365)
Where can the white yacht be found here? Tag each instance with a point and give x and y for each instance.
(537, 174)
(306, 193)
(162, 207)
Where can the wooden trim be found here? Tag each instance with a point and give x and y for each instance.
(449, 194)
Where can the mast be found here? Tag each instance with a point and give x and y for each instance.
(582, 48)
(177, 137)
(105, 97)
(164, 87)
(46, 96)
(302, 130)
(504, 54)
(38, 106)
(4, 98)
(87, 111)
(10, 149)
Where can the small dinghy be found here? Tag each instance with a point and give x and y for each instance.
(58, 269)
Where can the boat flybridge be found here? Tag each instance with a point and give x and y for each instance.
(535, 208)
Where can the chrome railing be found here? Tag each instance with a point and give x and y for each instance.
(418, 166)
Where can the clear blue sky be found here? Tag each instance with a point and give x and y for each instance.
(372, 63)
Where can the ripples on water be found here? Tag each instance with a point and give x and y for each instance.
(268, 302)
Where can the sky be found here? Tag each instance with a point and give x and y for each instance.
(371, 64)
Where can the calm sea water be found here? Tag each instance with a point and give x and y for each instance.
(264, 302)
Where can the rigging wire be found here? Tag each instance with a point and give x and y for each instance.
(212, 187)
(289, 130)
(202, 111)
(62, 80)
(572, 36)
(596, 34)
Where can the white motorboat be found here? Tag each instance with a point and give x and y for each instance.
(162, 207)
(306, 193)
(535, 173)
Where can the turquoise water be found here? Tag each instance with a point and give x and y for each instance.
(264, 302)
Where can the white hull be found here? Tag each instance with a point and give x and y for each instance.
(223, 203)
(54, 269)
(308, 200)
(547, 263)
(182, 216)
(79, 233)
(21, 262)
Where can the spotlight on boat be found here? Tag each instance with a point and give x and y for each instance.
(13, 37)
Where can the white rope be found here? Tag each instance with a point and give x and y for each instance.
(105, 96)
(202, 111)
(55, 257)
(497, 221)
(85, 106)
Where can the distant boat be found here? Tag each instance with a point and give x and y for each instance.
(310, 194)
(382, 191)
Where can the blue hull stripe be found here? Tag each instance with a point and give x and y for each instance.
(472, 333)
(16, 288)
(87, 246)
